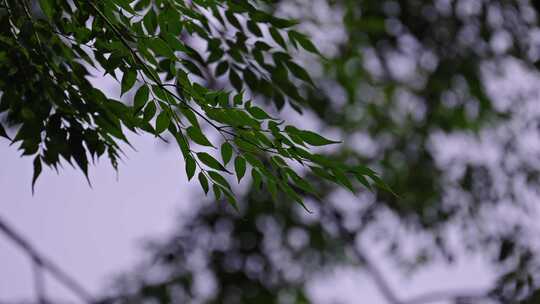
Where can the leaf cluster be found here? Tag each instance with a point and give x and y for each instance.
(165, 55)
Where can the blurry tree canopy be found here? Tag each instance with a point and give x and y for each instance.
(191, 70)
(440, 96)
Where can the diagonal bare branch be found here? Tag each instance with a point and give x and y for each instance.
(45, 264)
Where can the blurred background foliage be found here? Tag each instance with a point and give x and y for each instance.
(439, 96)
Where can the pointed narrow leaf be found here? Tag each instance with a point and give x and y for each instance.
(128, 80)
(222, 68)
(258, 113)
(190, 167)
(277, 37)
(141, 97)
(232, 200)
(235, 80)
(197, 136)
(257, 179)
(226, 153)
(37, 171)
(162, 122)
(216, 177)
(315, 139)
(217, 191)
(204, 182)
(149, 111)
(3, 132)
(210, 161)
(240, 167)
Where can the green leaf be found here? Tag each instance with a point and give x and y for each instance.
(217, 191)
(304, 185)
(222, 68)
(381, 184)
(254, 28)
(37, 171)
(216, 177)
(3, 132)
(149, 111)
(162, 122)
(190, 116)
(235, 80)
(272, 188)
(231, 200)
(128, 80)
(150, 21)
(304, 42)
(204, 182)
(141, 97)
(210, 161)
(190, 167)
(277, 37)
(363, 180)
(226, 153)
(239, 167)
(183, 144)
(299, 72)
(233, 20)
(161, 48)
(197, 136)
(238, 98)
(342, 179)
(315, 139)
(257, 179)
(258, 113)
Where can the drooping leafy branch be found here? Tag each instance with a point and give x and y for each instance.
(170, 54)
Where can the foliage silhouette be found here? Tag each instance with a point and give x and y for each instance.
(171, 55)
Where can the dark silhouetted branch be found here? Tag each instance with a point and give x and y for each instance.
(458, 296)
(39, 283)
(45, 265)
(385, 288)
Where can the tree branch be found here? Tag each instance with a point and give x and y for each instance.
(45, 264)
(384, 286)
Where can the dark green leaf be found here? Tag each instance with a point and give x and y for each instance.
(239, 167)
(258, 113)
(216, 177)
(162, 122)
(37, 171)
(161, 48)
(226, 153)
(236, 81)
(204, 182)
(190, 167)
(149, 111)
(277, 37)
(257, 179)
(3, 132)
(315, 139)
(210, 161)
(254, 28)
(222, 68)
(128, 80)
(197, 136)
(141, 97)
